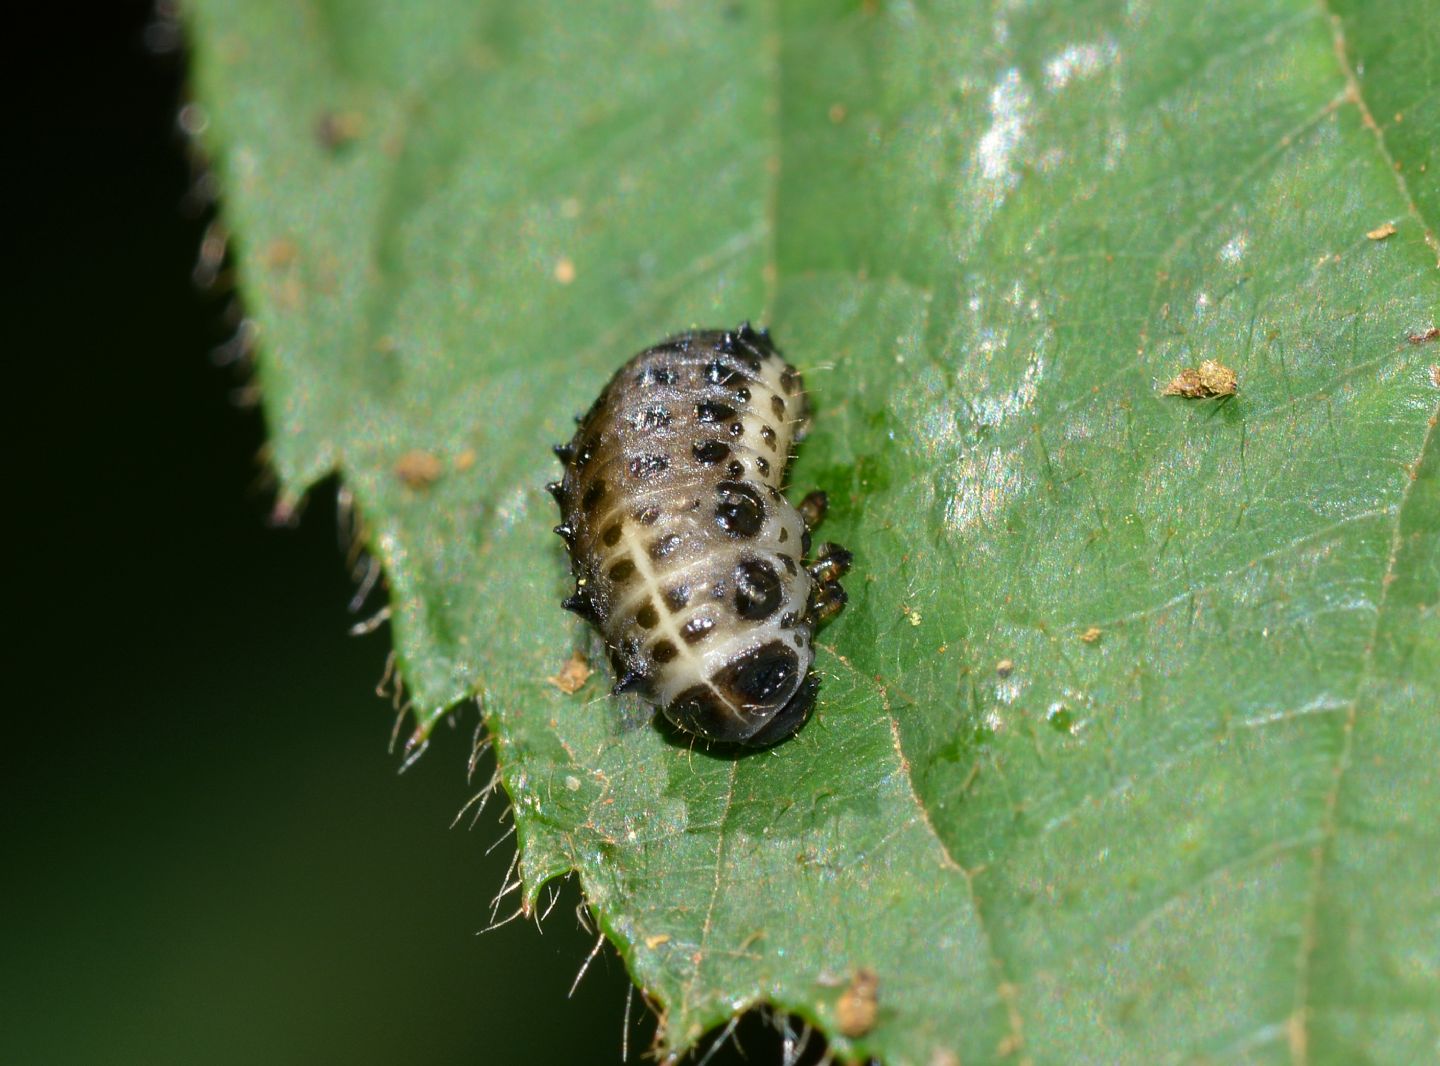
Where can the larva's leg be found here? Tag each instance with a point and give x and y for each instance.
(831, 564)
(813, 507)
(826, 601)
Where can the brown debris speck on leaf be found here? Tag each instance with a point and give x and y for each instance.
(1210, 379)
(280, 253)
(465, 460)
(859, 1003)
(1091, 635)
(335, 129)
(1435, 376)
(1005, 667)
(1379, 233)
(418, 469)
(1431, 334)
(572, 675)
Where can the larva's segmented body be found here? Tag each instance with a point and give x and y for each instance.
(687, 557)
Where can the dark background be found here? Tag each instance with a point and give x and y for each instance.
(209, 855)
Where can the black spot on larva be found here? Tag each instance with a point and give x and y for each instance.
(646, 515)
(611, 536)
(664, 651)
(648, 616)
(657, 375)
(778, 406)
(710, 452)
(647, 466)
(788, 620)
(697, 629)
(757, 590)
(742, 395)
(594, 494)
(622, 571)
(701, 711)
(739, 510)
(791, 566)
(761, 677)
(736, 469)
(678, 598)
(737, 429)
(663, 546)
(763, 465)
(805, 543)
(650, 419)
(768, 436)
(784, 535)
(790, 380)
(713, 411)
(588, 447)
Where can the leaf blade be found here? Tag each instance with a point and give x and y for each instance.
(1003, 234)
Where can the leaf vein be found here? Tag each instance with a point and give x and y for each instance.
(718, 876)
(1299, 1023)
(1006, 990)
(1353, 93)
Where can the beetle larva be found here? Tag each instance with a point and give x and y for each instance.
(686, 556)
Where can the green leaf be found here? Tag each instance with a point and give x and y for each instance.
(1206, 829)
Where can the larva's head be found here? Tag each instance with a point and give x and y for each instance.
(758, 698)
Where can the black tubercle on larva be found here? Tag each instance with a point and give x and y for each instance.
(683, 548)
(628, 681)
(580, 604)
